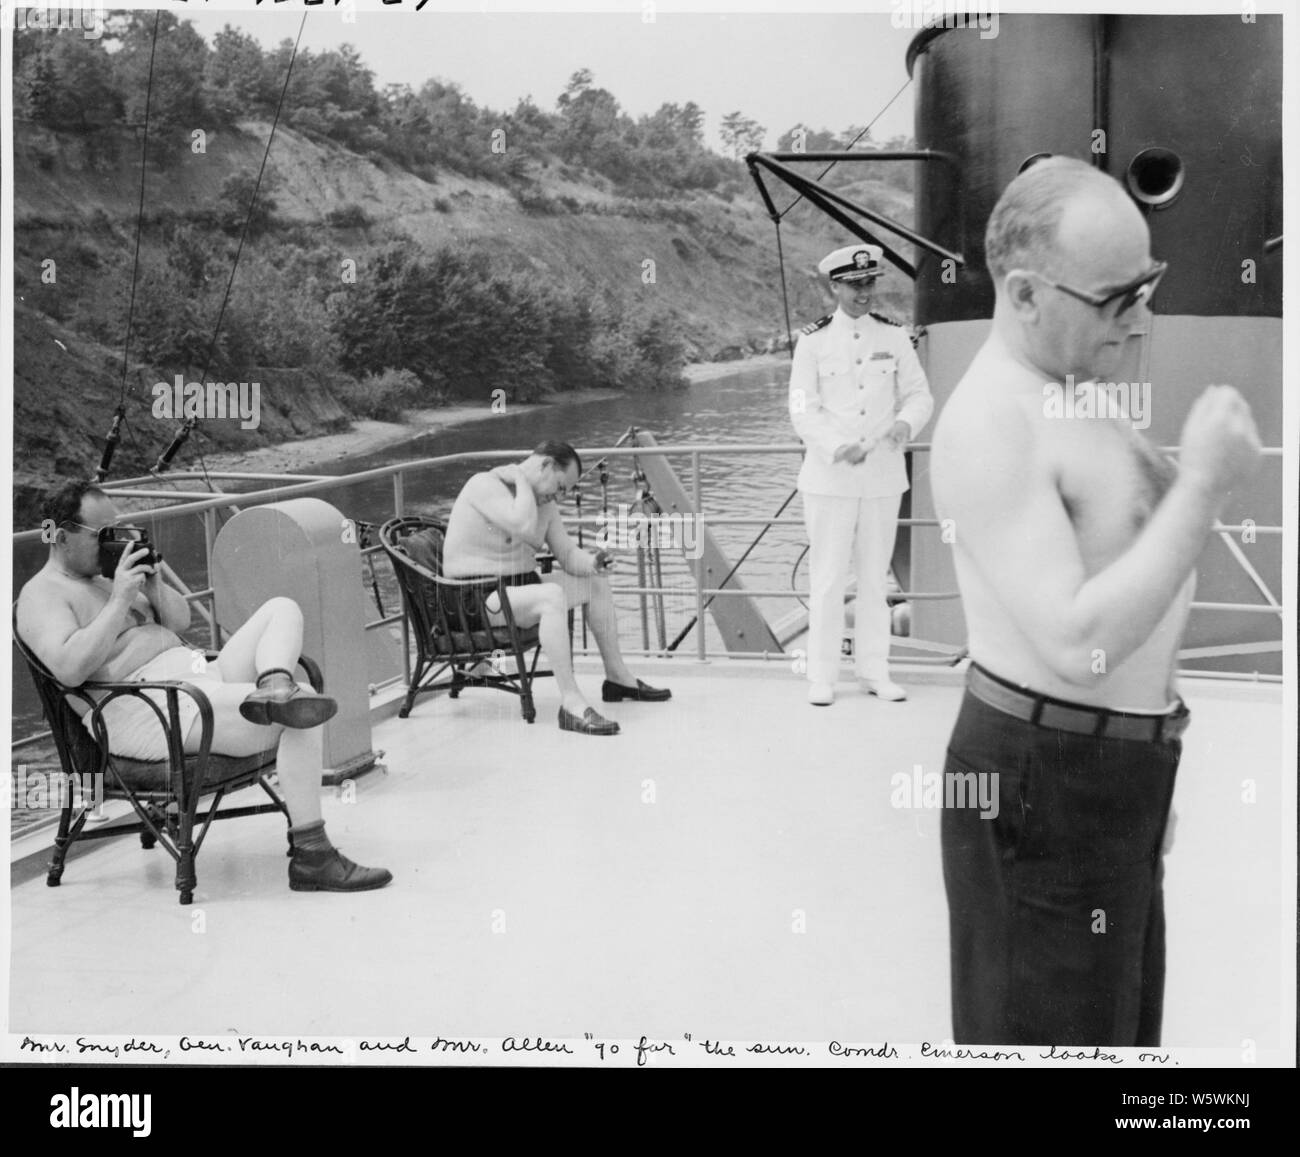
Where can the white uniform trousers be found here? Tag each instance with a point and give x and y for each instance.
(841, 531)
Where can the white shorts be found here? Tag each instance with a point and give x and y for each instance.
(134, 730)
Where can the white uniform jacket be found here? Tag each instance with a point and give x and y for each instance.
(852, 378)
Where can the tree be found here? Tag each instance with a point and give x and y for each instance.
(593, 126)
(171, 324)
(568, 356)
(66, 82)
(235, 76)
(741, 135)
(405, 126)
(39, 86)
(662, 351)
(529, 126)
(332, 94)
(690, 124)
(578, 84)
(236, 201)
(177, 102)
(456, 137)
(674, 126)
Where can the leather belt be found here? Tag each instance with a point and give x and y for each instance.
(1060, 715)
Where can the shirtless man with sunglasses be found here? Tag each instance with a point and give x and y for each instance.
(1075, 542)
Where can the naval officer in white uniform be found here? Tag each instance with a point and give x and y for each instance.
(858, 395)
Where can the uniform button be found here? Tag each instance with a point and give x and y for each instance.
(862, 411)
(855, 336)
(859, 361)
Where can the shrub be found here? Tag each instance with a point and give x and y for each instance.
(348, 217)
(237, 195)
(537, 203)
(385, 396)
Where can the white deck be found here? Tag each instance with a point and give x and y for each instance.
(651, 883)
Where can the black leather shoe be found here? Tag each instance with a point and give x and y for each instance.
(589, 724)
(278, 699)
(612, 692)
(332, 871)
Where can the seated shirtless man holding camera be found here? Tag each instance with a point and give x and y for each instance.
(500, 520)
(85, 626)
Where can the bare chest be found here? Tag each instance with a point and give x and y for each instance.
(1111, 481)
(91, 596)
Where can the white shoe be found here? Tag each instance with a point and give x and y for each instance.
(883, 689)
(821, 694)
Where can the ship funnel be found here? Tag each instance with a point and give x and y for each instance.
(1155, 177)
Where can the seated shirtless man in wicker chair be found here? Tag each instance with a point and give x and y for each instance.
(85, 627)
(500, 520)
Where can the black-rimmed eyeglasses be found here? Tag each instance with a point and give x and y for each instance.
(95, 530)
(110, 531)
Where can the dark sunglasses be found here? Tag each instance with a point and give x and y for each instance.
(1141, 289)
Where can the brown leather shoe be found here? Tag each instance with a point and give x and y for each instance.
(278, 699)
(332, 871)
(589, 724)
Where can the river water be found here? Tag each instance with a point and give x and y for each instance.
(747, 406)
(744, 407)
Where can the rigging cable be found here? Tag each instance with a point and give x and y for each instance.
(183, 432)
(778, 217)
(854, 141)
(115, 430)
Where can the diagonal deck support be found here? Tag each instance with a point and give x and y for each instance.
(738, 618)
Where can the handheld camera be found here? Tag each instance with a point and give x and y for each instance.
(113, 543)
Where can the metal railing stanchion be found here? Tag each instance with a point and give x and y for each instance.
(697, 486)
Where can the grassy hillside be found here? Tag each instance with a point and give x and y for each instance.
(714, 273)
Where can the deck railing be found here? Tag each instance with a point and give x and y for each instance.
(183, 504)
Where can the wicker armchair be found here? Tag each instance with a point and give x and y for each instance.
(448, 619)
(166, 795)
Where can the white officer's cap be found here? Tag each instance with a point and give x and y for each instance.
(852, 263)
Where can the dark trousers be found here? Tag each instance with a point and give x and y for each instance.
(1055, 907)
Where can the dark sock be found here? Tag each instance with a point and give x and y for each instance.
(276, 677)
(311, 838)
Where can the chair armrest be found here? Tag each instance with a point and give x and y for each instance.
(314, 676)
(173, 689)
